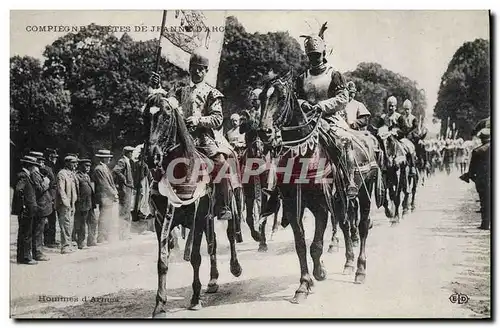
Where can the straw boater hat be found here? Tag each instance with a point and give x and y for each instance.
(70, 159)
(38, 155)
(103, 153)
(128, 148)
(30, 160)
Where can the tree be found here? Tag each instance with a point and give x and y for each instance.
(376, 84)
(39, 107)
(247, 59)
(464, 93)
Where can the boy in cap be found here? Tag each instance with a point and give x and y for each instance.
(356, 112)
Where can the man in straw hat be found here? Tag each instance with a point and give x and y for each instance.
(85, 205)
(479, 172)
(106, 195)
(202, 109)
(122, 174)
(65, 202)
(45, 205)
(323, 88)
(24, 205)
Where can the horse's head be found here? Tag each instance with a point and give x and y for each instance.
(276, 109)
(166, 128)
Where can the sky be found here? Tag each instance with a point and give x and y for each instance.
(416, 44)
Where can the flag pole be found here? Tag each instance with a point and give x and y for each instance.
(145, 147)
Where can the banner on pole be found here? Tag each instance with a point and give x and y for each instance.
(187, 30)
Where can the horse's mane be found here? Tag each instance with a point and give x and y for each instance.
(182, 135)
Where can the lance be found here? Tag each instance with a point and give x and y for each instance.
(145, 148)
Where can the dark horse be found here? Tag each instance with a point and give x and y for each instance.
(186, 203)
(255, 189)
(294, 136)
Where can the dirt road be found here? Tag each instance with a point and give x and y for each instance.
(412, 270)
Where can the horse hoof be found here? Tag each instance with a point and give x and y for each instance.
(333, 249)
(212, 288)
(360, 278)
(236, 269)
(262, 248)
(160, 315)
(195, 306)
(405, 211)
(348, 270)
(255, 236)
(355, 242)
(413, 208)
(321, 275)
(299, 297)
(238, 238)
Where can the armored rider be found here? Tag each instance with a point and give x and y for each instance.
(202, 110)
(323, 88)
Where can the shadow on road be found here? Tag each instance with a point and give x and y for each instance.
(139, 303)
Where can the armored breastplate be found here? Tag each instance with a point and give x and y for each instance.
(194, 98)
(316, 86)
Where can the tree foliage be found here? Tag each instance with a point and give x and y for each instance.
(247, 59)
(464, 93)
(376, 84)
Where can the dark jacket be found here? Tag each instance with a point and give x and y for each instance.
(86, 196)
(48, 171)
(122, 175)
(479, 169)
(24, 198)
(43, 195)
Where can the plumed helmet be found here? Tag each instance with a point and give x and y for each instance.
(407, 104)
(392, 100)
(315, 43)
(199, 57)
(351, 87)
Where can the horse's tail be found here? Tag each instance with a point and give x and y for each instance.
(379, 189)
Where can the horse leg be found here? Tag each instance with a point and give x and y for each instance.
(195, 260)
(316, 249)
(250, 202)
(334, 243)
(413, 193)
(162, 268)
(354, 221)
(234, 265)
(238, 194)
(276, 221)
(406, 193)
(211, 237)
(364, 226)
(263, 243)
(306, 282)
(340, 214)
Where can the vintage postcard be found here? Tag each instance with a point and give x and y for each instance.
(250, 164)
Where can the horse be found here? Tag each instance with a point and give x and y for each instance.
(294, 138)
(186, 203)
(254, 190)
(367, 177)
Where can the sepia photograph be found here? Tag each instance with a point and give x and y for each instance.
(250, 164)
